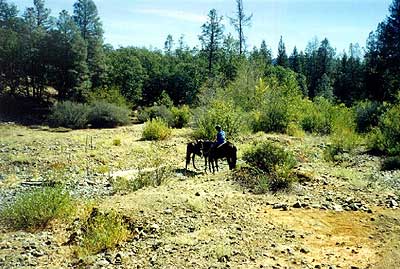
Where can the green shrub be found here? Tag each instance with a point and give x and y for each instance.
(70, 115)
(35, 209)
(367, 115)
(391, 163)
(271, 167)
(220, 113)
(317, 116)
(386, 138)
(389, 124)
(150, 113)
(106, 115)
(274, 118)
(268, 157)
(110, 95)
(156, 129)
(180, 116)
(102, 231)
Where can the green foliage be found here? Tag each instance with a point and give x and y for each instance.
(180, 116)
(101, 232)
(271, 168)
(317, 116)
(69, 114)
(268, 157)
(222, 113)
(367, 115)
(276, 101)
(153, 112)
(156, 129)
(387, 137)
(37, 208)
(391, 163)
(110, 95)
(106, 115)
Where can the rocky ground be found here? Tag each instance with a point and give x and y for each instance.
(341, 215)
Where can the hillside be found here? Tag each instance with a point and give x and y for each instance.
(341, 215)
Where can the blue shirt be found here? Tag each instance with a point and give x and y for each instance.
(220, 137)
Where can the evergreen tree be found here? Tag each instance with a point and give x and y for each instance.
(324, 88)
(296, 61)
(211, 38)
(67, 58)
(168, 44)
(383, 57)
(239, 22)
(282, 58)
(87, 19)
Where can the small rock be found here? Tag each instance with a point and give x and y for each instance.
(393, 203)
(168, 211)
(197, 193)
(305, 250)
(298, 205)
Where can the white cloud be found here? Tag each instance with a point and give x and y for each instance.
(174, 14)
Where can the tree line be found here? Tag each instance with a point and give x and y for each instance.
(68, 54)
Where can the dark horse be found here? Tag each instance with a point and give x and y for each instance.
(226, 150)
(193, 149)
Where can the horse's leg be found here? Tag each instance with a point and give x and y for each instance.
(193, 161)
(216, 164)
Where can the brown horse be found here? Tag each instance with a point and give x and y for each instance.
(193, 149)
(226, 150)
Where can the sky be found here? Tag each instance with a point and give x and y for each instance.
(146, 23)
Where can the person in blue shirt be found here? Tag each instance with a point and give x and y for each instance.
(220, 136)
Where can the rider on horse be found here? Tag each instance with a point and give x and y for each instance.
(220, 136)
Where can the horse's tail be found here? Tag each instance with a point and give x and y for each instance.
(234, 157)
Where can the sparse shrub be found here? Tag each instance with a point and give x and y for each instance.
(156, 129)
(150, 113)
(222, 113)
(317, 116)
(70, 115)
(391, 163)
(271, 168)
(102, 231)
(180, 116)
(274, 117)
(110, 95)
(343, 138)
(387, 138)
(367, 115)
(35, 209)
(106, 115)
(117, 142)
(268, 157)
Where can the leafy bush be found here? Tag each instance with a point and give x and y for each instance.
(35, 209)
(150, 113)
(102, 231)
(271, 166)
(268, 157)
(367, 115)
(106, 115)
(218, 113)
(70, 115)
(156, 129)
(387, 137)
(391, 163)
(180, 116)
(110, 95)
(276, 102)
(317, 116)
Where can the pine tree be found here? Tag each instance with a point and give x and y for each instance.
(239, 22)
(383, 57)
(282, 58)
(211, 38)
(87, 19)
